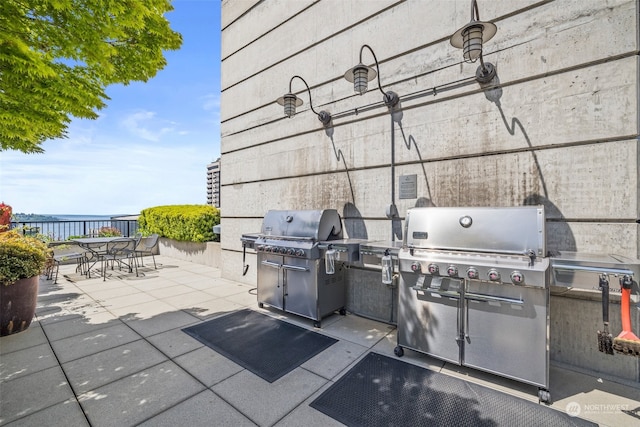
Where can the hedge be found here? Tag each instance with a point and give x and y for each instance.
(187, 223)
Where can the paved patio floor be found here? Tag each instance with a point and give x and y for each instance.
(112, 353)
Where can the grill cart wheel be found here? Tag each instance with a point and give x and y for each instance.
(343, 312)
(398, 351)
(261, 305)
(544, 396)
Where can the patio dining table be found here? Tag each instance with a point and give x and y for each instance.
(93, 246)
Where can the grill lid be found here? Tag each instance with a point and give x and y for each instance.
(316, 225)
(507, 230)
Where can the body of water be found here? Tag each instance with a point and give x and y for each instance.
(78, 225)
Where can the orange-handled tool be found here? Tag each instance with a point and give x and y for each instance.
(626, 342)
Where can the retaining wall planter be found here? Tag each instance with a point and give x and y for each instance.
(207, 253)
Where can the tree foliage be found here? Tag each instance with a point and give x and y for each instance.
(58, 56)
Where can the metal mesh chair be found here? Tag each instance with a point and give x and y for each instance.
(147, 246)
(121, 251)
(63, 252)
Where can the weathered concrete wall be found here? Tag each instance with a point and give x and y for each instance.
(207, 253)
(558, 126)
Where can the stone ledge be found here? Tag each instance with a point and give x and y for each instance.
(207, 253)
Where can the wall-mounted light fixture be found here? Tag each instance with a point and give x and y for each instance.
(291, 101)
(470, 39)
(361, 75)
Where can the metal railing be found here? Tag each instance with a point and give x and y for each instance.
(63, 230)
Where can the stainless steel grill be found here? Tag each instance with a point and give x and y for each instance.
(295, 273)
(474, 290)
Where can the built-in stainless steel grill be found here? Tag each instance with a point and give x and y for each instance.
(474, 290)
(299, 270)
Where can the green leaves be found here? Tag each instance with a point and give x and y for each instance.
(187, 223)
(58, 56)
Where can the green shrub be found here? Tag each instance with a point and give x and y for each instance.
(187, 223)
(21, 257)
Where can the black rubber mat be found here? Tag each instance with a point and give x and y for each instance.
(385, 391)
(268, 347)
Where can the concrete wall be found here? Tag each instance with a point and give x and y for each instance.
(558, 126)
(207, 253)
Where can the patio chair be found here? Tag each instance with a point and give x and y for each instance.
(63, 252)
(147, 246)
(121, 251)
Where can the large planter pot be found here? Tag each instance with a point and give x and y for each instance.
(18, 305)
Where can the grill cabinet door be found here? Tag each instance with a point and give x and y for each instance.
(507, 330)
(270, 280)
(429, 315)
(301, 287)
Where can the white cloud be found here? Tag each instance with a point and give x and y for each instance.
(144, 124)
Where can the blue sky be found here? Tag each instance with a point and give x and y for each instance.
(149, 147)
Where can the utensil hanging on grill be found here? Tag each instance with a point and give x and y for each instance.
(605, 339)
(626, 342)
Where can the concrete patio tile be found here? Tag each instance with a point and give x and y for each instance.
(246, 299)
(32, 337)
(129, 300)
(169, 291)
(333, 360)
(247, 393)
(78, 324)
(67, 413)
(73, 304)
(305, 415)
(27, 361)
(95, 283)
(140, 396)
(199, 363)
(213, 308)
(175, 342)
(604, 402)
(151, 284)
(174, 274)
(31, 393)
(186, 277)
(201, 283)
(226, 289)
(96, 370)
(196, 280)
(108, 293)
(358, 330)
(204, 409)
(82, 345)
(145, 310)
(161, 322)
(191, 299)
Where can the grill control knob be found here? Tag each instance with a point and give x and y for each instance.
(299, 252)
(494, 276)
(517, 278)
(472, 273)
(433, 269)
(260, 248)
(416, 267)
(290, 251)
(283, 251)
(267, 248)
(452, 271)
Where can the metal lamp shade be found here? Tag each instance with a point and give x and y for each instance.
(290, 102)
(472, 45)
(471, 37)
(360, 76)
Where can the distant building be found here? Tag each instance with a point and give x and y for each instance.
(213, 183)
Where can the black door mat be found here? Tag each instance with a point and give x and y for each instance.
(384, 391)
(268, 347)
